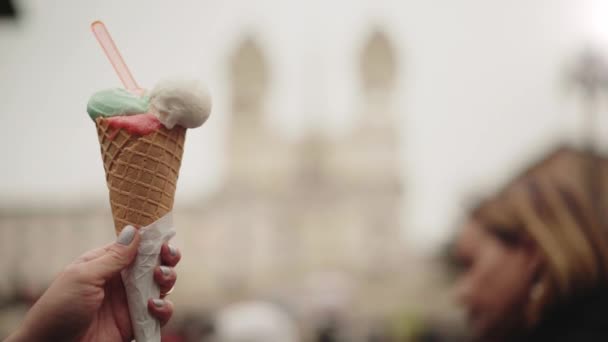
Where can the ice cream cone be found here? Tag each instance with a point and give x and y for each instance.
(141, 172)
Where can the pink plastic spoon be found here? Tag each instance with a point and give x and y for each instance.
(110, 49)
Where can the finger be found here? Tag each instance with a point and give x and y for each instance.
(165, 277)
(169, 255)
(116, 257)
(92, 254)
(161, 309)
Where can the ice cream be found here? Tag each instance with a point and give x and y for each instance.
(180, 102)
(115, 102)
(184, 103)
(142, 136)
(142, 140)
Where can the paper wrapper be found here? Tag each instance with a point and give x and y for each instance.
(139, 282)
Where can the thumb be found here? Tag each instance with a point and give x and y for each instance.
(117, 256)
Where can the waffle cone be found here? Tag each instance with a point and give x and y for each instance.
(141, 172)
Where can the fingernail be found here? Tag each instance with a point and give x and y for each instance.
(158, 302)
(172, 250)
(126, 236)
(165, 270)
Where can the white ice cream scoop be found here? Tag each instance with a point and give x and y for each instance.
(180, 102)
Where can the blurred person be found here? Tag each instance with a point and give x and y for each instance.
(536, 256)
(379, 332)
(195, 326)
(87, 301)
(329, 330)
(255, 321)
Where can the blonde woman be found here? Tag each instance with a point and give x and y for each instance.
(536, 255)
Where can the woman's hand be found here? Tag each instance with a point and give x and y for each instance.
(87, 301)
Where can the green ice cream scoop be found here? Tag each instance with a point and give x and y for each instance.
(116, 102)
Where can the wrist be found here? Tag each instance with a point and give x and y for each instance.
(26, 331)
(19, 335)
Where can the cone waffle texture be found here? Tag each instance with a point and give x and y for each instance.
(141, 172)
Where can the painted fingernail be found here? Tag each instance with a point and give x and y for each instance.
(158, 302)
(165, 270)
(126, 235)
(172, 250)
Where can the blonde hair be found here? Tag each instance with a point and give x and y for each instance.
(555, 205)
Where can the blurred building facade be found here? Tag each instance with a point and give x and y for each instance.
(312, 224)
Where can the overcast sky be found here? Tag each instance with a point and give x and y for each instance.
(481, 88)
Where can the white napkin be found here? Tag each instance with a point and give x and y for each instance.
(139, 278)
